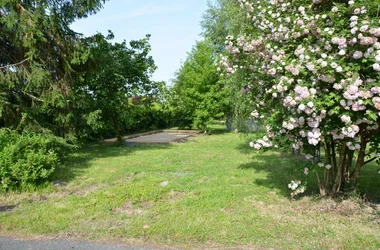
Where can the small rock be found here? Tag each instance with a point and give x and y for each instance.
(58, 183)
(164, 183)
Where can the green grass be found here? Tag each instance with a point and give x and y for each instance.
(218, 194)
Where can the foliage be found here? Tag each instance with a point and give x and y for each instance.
(138, 118)
(39, 54)
(198, 95)
(27, 159)
(224, 17)
(313, 71)
(55, 79)
(114, 74)
(146, 118)
(40, 72)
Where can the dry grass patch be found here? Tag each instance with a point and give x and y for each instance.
(134, 209)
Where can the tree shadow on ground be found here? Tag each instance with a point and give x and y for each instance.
(7, 208)
(244, 147)
(281, 168)
(217, 131)
(369, 183)
(77, 162)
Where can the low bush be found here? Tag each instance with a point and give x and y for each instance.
(27, 159)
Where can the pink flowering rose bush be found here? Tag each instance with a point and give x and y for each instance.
(313, 67)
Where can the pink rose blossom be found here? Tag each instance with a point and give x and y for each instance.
(357, 54)
(345, 118)
(376, 67)
(366, 41)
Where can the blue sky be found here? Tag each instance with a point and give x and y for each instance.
(173, 24)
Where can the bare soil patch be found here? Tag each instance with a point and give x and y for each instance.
(6, 208)
(133, 209)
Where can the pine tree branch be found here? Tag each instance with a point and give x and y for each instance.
(20, 8)
(32, 96)
(15, 64)
(5, 102)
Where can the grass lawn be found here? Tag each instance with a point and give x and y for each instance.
(210, 192)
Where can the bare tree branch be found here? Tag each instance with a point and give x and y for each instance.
(370, 160)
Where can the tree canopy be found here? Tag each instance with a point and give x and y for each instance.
(199, 96)
(116, 73)
(39, 55)
(54, 79)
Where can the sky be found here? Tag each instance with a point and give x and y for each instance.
(174, 26)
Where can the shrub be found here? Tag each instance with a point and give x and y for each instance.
(28, 159)
(312, 70)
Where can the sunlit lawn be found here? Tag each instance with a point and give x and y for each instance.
(211, 191)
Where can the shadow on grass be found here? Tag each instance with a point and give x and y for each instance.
(79, 161)
(282, 168)
(217, 131)
(244, 148)
(369, 183)
(7, 208)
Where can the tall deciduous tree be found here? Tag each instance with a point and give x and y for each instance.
(116, 73)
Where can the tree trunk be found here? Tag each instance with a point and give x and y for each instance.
(347, 168)
(328, 152)
(322, 188)
(116, 126)
(327, 175)
(339, 173)
(360, 160)
(317, 153)
(333, 155)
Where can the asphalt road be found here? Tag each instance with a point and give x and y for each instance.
(14, 244)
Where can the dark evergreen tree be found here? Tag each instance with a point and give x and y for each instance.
(39, 59)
